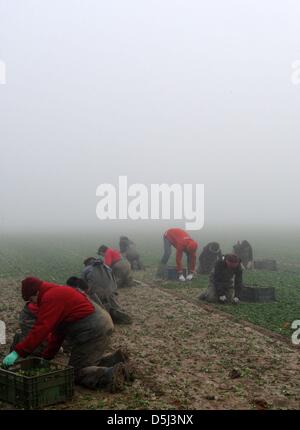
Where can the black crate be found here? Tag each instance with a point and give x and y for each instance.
(257, 294)
(171, 273)
(266, 264)
(33, 392)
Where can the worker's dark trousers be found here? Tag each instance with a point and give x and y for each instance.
(136, 264)
(134, 259)
(167, 251)
(86, 359)
(189, 262)
(90, 338)
(212, 294)
(110, 303)
(122, 272)
(118, 315)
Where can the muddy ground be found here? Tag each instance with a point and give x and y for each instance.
(188, 356)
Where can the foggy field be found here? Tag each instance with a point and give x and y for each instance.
(132, 118)
(56, 257)
(187, 357)
(185, 352)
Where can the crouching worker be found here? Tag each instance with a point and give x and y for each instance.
(128, 249)
(225, 281)
(64, 311)
(245, 252)
(102, 288)
(183, 243)
(120, 267)
(208, 257)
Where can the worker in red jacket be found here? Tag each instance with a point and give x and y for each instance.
(64, 311)
(120, 266)
(183, 244)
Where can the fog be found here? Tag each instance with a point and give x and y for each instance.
(165, 91)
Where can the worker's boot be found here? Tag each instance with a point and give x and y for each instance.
(119, 356)
(120, 317)
(114, 378)
(110, 360)
(129, 372)
(190, 277)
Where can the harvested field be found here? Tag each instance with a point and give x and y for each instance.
(187, 356)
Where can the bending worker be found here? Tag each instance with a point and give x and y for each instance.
(120, 266)
(64, 311)
(183, 244)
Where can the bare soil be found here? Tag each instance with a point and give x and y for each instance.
(187, 356)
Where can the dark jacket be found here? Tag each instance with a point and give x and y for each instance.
(125, 244)
(244, 251)
(208, 257)
(100, 280)
(225, 278)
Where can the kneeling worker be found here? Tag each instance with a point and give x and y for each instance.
(102, 289)
(226, 281)
(64, 311)
(128, 249)
(183, 244)
(119, 266)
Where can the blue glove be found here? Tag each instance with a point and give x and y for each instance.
(10, 359)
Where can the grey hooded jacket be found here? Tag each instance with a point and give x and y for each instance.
(100, 280)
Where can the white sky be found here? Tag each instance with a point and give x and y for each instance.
(164, 91)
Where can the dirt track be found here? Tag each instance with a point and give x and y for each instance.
(187, 357)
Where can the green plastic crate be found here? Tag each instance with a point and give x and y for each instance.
(34, 392)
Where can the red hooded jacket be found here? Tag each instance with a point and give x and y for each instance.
(56, 304)
(33, 308)
(183, 243)
(111, 256)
